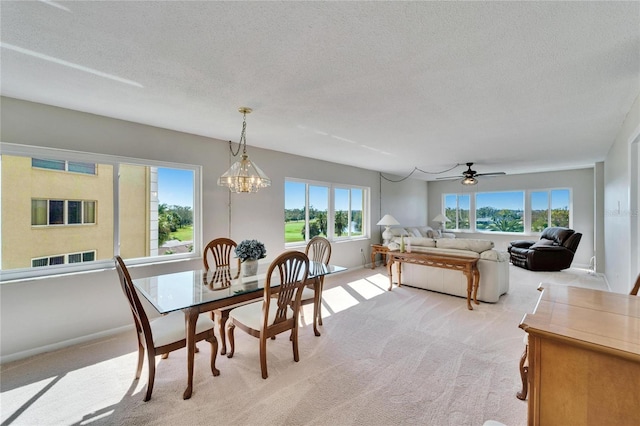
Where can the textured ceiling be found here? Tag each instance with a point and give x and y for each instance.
(388, 86)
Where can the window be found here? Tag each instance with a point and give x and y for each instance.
(92, 208)
(61, 212)
(348, 205)
(500, 211)
(549, 208)
(332, 211)
(69, 166)
(61, 259)
(457, 207)
(506, 211)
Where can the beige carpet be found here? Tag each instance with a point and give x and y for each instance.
(406, 357)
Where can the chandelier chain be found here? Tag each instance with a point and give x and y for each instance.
(243, 138)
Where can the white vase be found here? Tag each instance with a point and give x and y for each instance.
(250, 267)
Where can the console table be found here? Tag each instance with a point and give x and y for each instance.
(467, 265)
(584, 357)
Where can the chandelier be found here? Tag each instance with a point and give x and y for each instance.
(243, 175)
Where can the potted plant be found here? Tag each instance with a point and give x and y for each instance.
(249, 251)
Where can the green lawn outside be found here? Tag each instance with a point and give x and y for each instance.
(293, 231)
(183, 234)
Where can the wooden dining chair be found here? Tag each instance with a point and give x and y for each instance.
(319, 250)
(219, 252)
(278, 311)
(164, 334)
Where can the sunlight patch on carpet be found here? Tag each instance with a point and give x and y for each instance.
(338, 299)
(365, 288)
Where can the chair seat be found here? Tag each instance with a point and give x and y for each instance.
(308, 293)
(171, 328)
(251, 314)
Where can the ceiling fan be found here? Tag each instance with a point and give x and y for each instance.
(469, 176)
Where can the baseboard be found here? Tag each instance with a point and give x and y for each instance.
(60, 345)
(606, 281)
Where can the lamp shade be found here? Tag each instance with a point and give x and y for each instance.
(441, 218)
(388, 220)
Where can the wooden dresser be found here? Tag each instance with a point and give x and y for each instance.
(584, 357)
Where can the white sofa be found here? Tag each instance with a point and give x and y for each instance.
(493, 265)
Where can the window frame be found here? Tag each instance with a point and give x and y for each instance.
(113, 160)
(331, 211)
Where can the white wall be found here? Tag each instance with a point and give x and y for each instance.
(48, 313)
(621, 205)
(404, 199)
(581, 181)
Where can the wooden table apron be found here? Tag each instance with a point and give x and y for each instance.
(467, 265)
(191, 318)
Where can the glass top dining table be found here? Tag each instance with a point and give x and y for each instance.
(199, 290)
(214, 288)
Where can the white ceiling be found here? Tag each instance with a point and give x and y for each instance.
(388, 86)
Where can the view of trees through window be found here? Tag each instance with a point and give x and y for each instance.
(549, 208)
(500, 211)
(175, 210)
(506, 212)
(174, 222)
(308, 211)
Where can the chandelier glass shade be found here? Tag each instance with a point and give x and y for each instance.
(244, 175)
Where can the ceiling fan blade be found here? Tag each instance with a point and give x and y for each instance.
(450, 178)
(491, 174)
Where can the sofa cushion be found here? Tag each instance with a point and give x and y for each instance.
(544, 242)
(477, 246)
(558, 234)
(495, 255)
(415, 241)
(451, 252)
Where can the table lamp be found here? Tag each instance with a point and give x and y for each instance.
(387, 221)
(441, 219)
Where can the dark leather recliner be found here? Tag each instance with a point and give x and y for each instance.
(553, 252)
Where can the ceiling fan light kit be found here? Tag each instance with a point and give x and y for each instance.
(469, 180)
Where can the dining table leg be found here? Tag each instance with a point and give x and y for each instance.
(317, 304)
(191, 318)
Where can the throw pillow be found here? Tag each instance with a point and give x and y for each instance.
(398, 232)
(424, 231)
(414, 232)
(434, 233)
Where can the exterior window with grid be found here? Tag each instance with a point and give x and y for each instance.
(62, 212)
(65, 166)
(61, 259)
